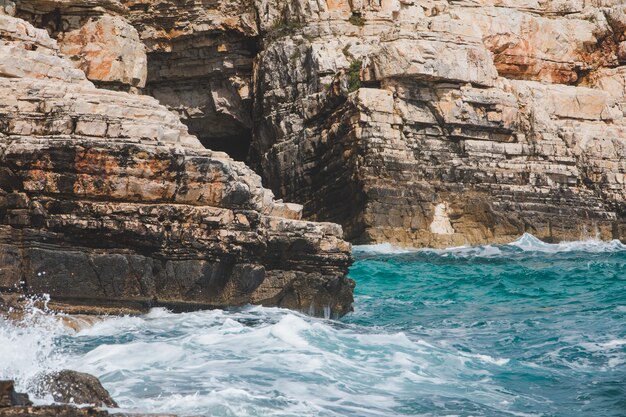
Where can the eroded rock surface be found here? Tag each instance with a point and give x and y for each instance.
(438, 123)
(11, 398)
(416, 122)
(108, 201)
(74, 387)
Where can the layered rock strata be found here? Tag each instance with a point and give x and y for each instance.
(438, 123)
(108, 201)
(200, 59)
(416, 122)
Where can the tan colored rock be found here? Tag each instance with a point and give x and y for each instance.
(7, 7)
(535, 47)
(423, 123)
(108, 50)
(109, 203)
(436, 148)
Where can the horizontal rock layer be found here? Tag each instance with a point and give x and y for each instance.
(435, 123)
(416, 122)
(108, 201)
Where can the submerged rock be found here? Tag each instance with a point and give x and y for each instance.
(74, 387)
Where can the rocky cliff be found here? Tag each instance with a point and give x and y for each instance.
(416, 122)
(107, 200)
(437, 123)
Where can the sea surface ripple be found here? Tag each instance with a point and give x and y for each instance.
(525, 329)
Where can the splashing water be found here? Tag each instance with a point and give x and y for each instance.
(526, 329)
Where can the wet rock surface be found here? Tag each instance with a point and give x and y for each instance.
(74, 387)
(10, 398)
(15, 404)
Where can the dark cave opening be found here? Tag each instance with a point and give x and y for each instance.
(236, 146)
(220, 132)
(207, 80)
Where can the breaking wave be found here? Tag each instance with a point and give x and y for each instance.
(526, 243)
(524, 329)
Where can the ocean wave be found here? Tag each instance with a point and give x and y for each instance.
(526, 243)
(226, 363)
(431, 335)
(530, 243)
(382, 248)
(29, 346)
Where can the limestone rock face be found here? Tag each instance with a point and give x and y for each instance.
(108, 50)
(416, 122)
(438, 123)
(108, 201)
(200, 61)
(95, 38)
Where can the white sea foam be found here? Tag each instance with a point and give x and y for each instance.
(112, 326)
(530, 243)
(487, 359)
(526, 243)
(255, 361)
(28, 347)
(288, 330)
(382, 248)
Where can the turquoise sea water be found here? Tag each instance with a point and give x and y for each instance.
(527, 329)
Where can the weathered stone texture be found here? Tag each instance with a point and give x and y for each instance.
(107, 201)
(200, 61)
(71, 387)
(431, 123)
(108, 50)
(419, 122)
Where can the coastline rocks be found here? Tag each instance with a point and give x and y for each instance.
(74, 387)
(433, 123)
(67, 411)
(10, 398)
(420, 123)
(52, 411)
(13, 404)
(108, 202)
(200, 61)
(108, 50)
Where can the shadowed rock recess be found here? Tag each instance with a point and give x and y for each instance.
(108, 203)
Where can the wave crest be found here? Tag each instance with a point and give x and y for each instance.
(526, 243)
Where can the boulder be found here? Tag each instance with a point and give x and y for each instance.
(74, 387)
(10, 398)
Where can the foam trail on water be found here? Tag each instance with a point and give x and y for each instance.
(254, 361)
(530, 243)
(522, 329)
(382, 248)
